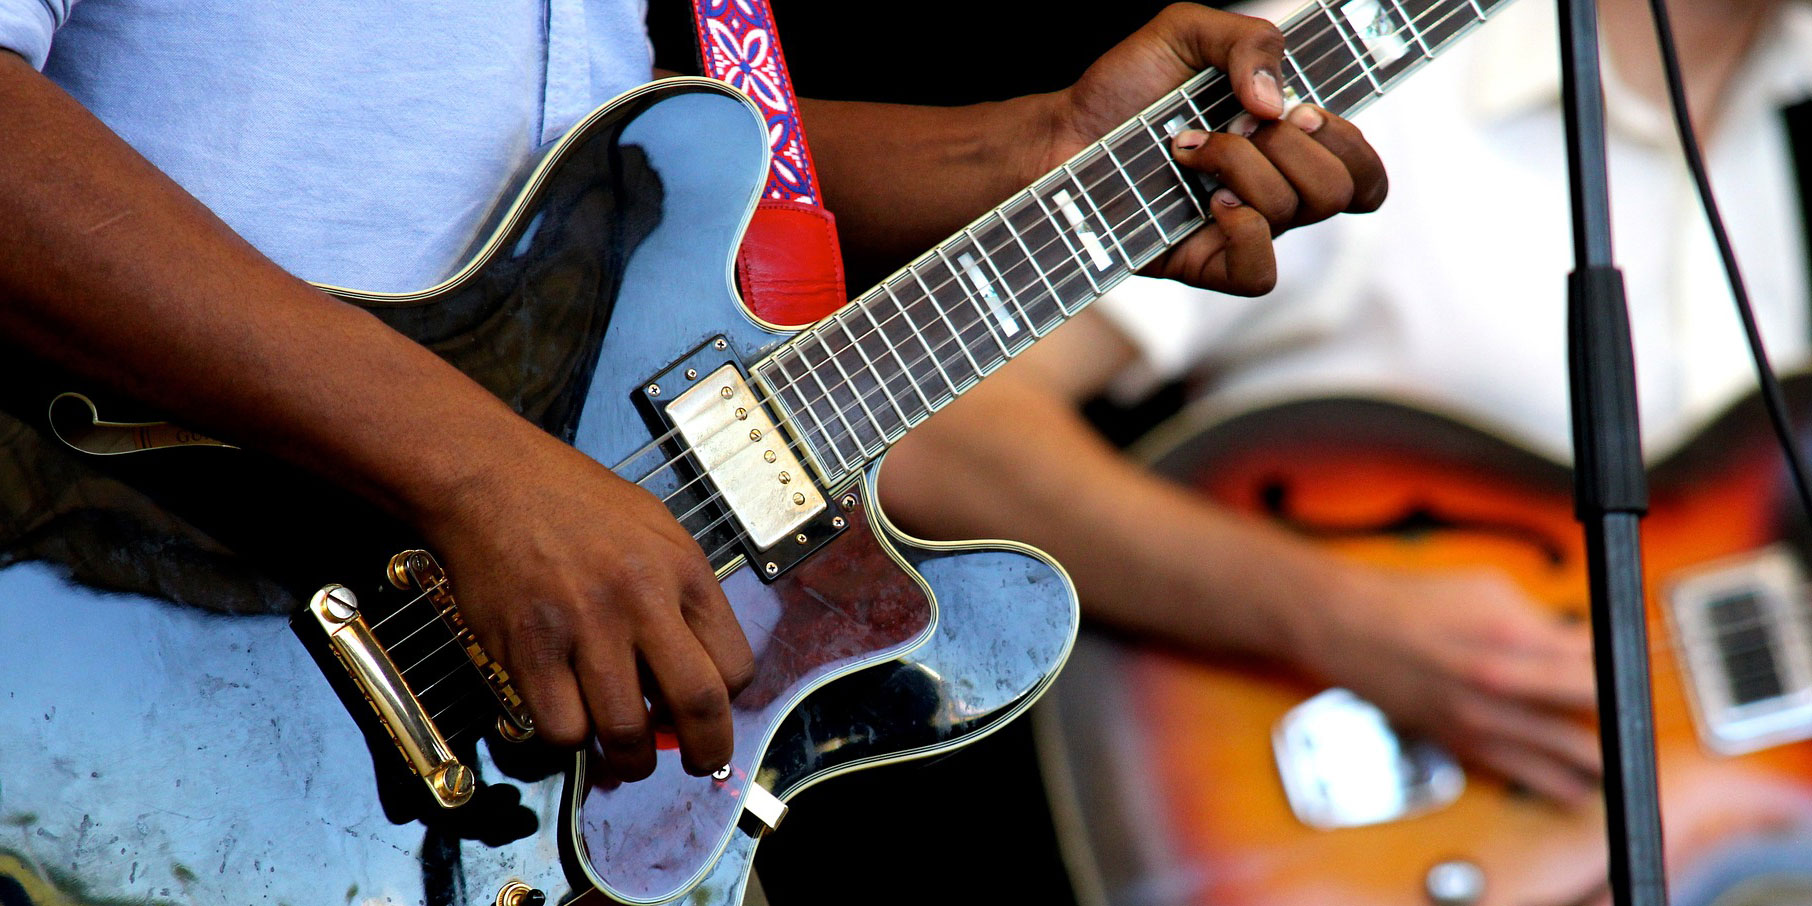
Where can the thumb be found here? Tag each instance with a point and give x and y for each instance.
(1248, 49)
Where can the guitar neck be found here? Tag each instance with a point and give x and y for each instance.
(856, 382)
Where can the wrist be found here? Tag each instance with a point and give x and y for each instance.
(473, 460)
(1324, 616)
(1045, 137)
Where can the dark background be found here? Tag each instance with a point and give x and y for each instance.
(924, 51)
(971, 827)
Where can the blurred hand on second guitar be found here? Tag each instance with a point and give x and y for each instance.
(1468, 659)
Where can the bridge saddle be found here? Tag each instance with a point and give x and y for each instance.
(387, 689)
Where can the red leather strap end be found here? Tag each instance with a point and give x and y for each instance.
(790, 268)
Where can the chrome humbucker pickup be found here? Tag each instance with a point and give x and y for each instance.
(1740, 630)
(737, 444)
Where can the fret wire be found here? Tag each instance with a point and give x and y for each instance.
(1099, 217)
(1475, 8)
(1189, 99)
(919, 333)
(1359, 54)
(868, 313)
(1081, 265)
(1409, 22)
(1176, 169)
(880, 378)
(824, 395)
(980, 309)
(1307, 84)
(850, 384)
(1134, 185)
(955, 334)
(794, 430)
(1118, 276)
(1031, 259)
(1012, 297)
(810, 410)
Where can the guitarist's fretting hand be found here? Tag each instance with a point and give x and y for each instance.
(1284, 173)
(945, 165)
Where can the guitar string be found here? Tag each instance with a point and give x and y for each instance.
(877, 395)
(399, 608)
(439, 612)
(1185, 97)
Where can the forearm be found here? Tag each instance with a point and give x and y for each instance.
(110, 270)
(900, 178)
(1012, 460)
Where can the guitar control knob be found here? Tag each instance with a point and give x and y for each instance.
(1455, 882)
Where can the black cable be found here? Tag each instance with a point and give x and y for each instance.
(1772, 397)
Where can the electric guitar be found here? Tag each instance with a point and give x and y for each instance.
(1235, 783)
(169, 734)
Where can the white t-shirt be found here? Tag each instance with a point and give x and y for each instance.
(1454, 294)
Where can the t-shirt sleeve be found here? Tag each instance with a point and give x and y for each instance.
(26, 27)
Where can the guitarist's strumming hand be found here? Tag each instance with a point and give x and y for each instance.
(594, 599)
(1467, 658)
(1278, 171)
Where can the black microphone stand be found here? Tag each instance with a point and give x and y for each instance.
(1610, 487)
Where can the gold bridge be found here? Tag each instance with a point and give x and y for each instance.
(424, 748)
(735, 441)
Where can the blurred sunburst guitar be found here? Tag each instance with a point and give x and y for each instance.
(1185, 782)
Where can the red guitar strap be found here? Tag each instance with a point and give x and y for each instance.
(789, 269)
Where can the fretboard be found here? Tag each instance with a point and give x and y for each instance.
(856, 382)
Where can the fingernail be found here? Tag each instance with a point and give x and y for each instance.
(1264, 88)
(1243, 125)
(1190, 139)
(1306, 118)
(1226, 198)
